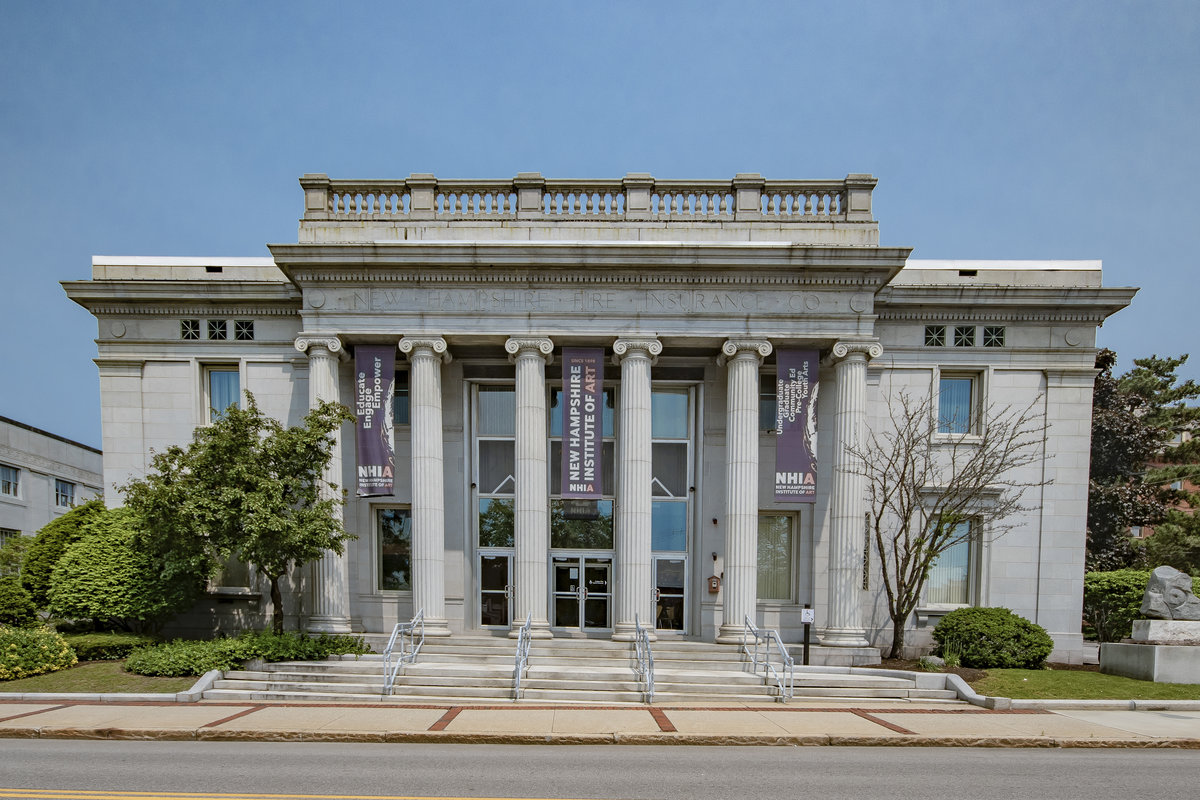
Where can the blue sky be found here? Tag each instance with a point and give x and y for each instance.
(997, 130)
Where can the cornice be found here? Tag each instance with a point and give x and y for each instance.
(434, 276)
(1001, 303)
(214, 310)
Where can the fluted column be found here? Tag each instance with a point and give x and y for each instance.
(846, 496)
(331, 574)
(634, 583)
(742, 359)
(531, 505)
(426, 356)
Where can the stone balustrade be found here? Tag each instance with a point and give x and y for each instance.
(637, 197)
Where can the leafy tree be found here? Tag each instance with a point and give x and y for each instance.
(1135, 418)
(923, 485)
(16, 606)
(245, 486)
(1176, 542)
(50, 543)
(13, 553)
(107, 577)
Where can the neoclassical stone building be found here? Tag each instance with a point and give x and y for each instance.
(685, 302)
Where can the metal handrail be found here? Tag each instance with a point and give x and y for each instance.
(524, 638)
(411, 635)
(645, 657)
(763, 641)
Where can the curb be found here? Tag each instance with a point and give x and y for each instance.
(192, 695)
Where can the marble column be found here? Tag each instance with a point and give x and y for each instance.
(634, 583)
(426, 354)
(531, 505)
(331, 573)
(847, 497)
(739, 593)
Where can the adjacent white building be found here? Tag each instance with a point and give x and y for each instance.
(42, 476)
(691, 290)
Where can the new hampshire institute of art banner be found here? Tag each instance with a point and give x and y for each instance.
(796, 426)
(374, 388)
(582, 422)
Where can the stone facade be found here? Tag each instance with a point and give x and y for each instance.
(691, 288)
(42, 476)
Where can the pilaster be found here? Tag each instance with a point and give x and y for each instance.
(531, 504)
(426, 356)
(742, 359)
(634, 583)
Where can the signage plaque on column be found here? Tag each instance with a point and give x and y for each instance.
(796, 426)
(374, 388)
(582, 429)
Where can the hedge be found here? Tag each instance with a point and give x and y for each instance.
(25, 652)
(182, 658)
(107, 646)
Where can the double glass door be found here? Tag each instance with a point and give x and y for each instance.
(582, 592)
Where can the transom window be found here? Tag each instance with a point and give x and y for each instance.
(64, 494)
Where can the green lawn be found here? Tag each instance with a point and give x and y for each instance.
(1050, 684)
(96, 676)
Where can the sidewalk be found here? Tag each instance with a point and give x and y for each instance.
(1176, 724)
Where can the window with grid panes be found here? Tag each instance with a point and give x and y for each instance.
(993, 336)
(243, 330)
(217, 329)
(495, 463)
(935, 335)
(964, 335)
(570, 530)
(10, 481)
(189, 329)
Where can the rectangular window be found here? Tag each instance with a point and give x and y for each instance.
(189, 329)
(776, 540)
(950, 582)
(64, 494)
(400, 409)
(935, 335)
(394, 540)
(956, 404)
(767, 402)
(582, 524)
(993, 336)
(243, 330)
(964, 335)
(224, 390)
(6, 534)
(217, 329)
(10, 481)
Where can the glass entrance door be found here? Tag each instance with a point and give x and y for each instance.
(582, 592)
(495, 589)
(670, 582)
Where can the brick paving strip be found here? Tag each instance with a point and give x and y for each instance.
(232, 717)
(858, 712)
(446, 719)
(31, 713)
(665, 725)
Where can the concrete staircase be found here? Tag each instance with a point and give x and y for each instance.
(480, 669)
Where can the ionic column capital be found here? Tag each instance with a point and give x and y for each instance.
(735, 348)
(434, 346)
(846, 349)
(326, 341)
(541, 347)
(645, 347)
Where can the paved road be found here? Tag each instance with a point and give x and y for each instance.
(508, 771)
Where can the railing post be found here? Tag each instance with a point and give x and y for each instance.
(747, 194)
(638, 188)
(422, 193)
(316, 195)
(858, 197)
(530, 186)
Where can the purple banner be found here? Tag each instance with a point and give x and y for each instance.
(374, 388)
(582, 422)
(796, 426)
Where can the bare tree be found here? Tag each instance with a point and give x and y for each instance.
(925, 483)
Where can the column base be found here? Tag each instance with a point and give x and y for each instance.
(538, 629)
(328, 624)
(436, 627)
(731, 634)
(627, 632)
(843, 637)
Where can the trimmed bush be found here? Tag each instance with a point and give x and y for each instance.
(49, 545)
(105, 576)
(106, 646)
(25, 652)
(1113, 600)
(182, 658)
(16, 606)
(992, 637)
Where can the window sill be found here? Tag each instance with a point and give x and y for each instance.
(232, 593)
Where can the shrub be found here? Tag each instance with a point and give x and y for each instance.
(992, 637)
(1113, 600)
(106, 576)
(25, 652)
(106, 646)
(182, 658)
(13, 553)
(16, 606)
(49, 545)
